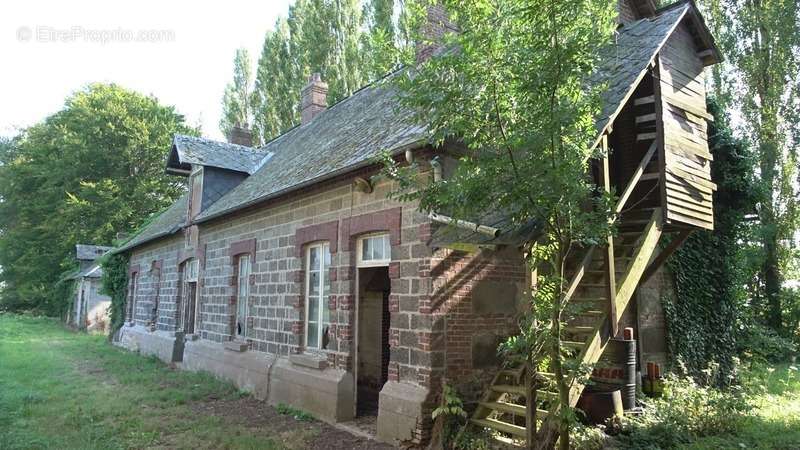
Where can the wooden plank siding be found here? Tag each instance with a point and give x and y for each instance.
(687, 188)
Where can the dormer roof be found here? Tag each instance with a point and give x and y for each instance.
(190, 150)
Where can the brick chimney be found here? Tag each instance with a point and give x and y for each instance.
(313, 98)
(241, 134)
(435, 26)
(632, 10)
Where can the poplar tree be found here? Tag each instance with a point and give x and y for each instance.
(236, 100)
(761, 39)
(317, 36)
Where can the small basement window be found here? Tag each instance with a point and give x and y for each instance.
(374, 250)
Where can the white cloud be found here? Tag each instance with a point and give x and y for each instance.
(185, 59)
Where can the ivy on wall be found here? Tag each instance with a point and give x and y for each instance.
(115, 285)
(711, 268)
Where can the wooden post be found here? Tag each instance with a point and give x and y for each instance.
(608, 255)
(530, 405)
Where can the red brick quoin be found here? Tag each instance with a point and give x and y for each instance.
(328, 231)
(386, 220)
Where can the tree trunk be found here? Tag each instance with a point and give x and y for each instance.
(772, 280)
(558, 368)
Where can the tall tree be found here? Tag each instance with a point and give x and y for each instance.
(761, 39)
(83, 174)
(514, 91)
(277, 87)
(332, 37)
(388, 39)
(237, 97)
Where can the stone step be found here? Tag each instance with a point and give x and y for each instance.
(501, 426)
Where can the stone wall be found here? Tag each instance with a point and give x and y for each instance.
(157, 280)
(447, 310)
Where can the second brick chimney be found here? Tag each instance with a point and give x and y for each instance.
(241, 134)
(314, 98)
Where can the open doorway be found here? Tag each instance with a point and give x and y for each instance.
(373, 337)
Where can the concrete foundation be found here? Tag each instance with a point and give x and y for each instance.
(400, 411)
(327, 394)
(166, 346)
(249, 371)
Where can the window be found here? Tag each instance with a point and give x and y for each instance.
(242, 293)
(374, 250)
(132, 298)
(318, 261)
(187, 312)
(192, 269)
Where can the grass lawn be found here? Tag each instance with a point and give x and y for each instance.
(65, 390)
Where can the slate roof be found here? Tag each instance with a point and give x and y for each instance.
(345, 136)
(625, 63)
(205, 152)
(166, 223)
(86, 252)
(351, 133)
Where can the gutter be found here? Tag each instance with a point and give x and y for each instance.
(466, 225)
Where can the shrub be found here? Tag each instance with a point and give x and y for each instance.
(763, 344)
(685, 412)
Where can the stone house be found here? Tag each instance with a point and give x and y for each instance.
(89, 308)
(287, 270)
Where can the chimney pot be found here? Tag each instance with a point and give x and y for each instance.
(241, 135)
(314, 98)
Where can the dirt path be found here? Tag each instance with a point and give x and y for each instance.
(256, 414)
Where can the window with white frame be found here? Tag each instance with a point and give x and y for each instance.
(192, 269)
(242, 293)
(318, 261)
(374, 250)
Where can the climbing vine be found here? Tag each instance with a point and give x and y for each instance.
(115, 285)
(711, 269)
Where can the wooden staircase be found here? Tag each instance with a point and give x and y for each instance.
(520, 401)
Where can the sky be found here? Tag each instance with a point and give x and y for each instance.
(181, 52)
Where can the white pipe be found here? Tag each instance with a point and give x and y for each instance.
(437, 169)
(483, 229)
